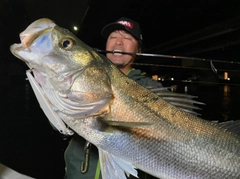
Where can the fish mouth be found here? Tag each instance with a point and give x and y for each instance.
(34, 30)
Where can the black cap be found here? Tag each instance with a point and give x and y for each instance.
(123, 23)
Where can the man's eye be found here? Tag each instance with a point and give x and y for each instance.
(127, 37)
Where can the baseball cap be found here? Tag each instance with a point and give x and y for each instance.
(123, 23)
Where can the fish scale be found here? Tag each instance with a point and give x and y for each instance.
(131, 126)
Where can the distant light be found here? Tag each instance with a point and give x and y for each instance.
(155, 77)
(172, 79)
(225, 76)
(75, 28)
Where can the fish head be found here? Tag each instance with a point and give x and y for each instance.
(66, 69)
(51, 51)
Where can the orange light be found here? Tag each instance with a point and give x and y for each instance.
(225, 76)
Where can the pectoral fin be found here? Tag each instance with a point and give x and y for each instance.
(124, 124)
(114, 167)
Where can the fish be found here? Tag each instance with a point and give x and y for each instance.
(132, 127)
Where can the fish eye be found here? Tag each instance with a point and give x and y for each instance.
(67, 44)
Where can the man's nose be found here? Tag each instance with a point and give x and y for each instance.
(119, 41)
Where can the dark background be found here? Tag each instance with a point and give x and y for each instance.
(207, 29)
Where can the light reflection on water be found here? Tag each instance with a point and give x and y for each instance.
(222, 101)
(226, 103)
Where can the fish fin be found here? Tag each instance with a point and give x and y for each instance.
(123, 123)
(184, 102)
(232, 126)
(114, 167)
(52, 116)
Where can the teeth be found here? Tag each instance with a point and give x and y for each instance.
(117, 52)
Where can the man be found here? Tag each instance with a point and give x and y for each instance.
(124, 35)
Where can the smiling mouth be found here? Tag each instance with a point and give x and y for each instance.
(117, 52)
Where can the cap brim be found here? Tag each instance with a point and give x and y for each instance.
(108, 29)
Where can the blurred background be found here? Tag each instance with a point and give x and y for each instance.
(208, 30)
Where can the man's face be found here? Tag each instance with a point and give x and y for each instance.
(120, 40)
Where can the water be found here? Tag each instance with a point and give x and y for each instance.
(221, 100)
(31, 146)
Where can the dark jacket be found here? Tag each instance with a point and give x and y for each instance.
(141, 79)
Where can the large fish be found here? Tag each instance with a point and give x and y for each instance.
(131, 126)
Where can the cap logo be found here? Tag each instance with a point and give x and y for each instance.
(126, 24)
